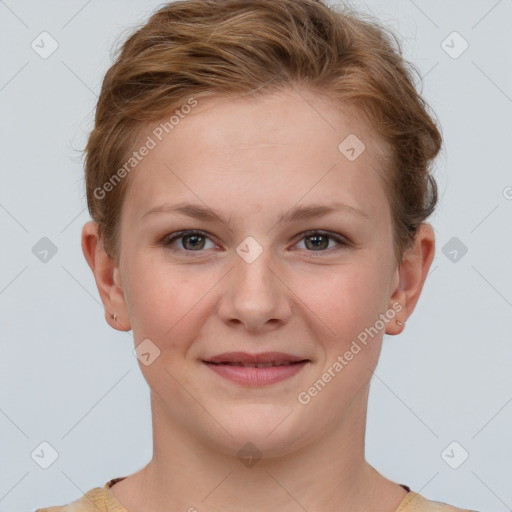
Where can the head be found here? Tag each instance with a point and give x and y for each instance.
(260, 112)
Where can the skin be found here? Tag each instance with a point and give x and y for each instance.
(253, 160)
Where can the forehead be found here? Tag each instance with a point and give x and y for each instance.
(292, 143)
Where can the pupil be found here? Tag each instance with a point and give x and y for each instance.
(193, 245)
(317, 240)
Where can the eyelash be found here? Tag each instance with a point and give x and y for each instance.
(169, 239)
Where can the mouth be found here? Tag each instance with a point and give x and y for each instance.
(259, 365)
(256, 369)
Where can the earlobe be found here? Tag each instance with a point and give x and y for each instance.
(104, 269)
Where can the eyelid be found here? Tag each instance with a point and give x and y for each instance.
(342, 241)
(335, 236)
(170, 238)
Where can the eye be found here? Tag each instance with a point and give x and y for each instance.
(319, 240)
(192, 241)
(196, 241)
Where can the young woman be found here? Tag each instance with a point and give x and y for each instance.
(259, 179)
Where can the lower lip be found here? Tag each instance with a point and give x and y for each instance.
(251, 376)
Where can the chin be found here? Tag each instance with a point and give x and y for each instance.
(272, 430)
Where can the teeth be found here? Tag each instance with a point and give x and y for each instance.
(260, 365)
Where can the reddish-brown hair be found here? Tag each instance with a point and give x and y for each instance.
(199, 48)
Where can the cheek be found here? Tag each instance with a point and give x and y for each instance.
(352, 350)
(348, 302)
(167, 303)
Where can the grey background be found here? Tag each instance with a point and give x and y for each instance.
(68, 379)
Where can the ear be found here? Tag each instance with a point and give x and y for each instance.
(411, 275)
(107, 276)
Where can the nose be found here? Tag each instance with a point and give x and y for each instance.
(255, 296)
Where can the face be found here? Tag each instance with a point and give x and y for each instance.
(299, 260)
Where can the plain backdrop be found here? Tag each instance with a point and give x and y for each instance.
(442, 391)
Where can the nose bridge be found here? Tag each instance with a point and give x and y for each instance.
(254, 274)
(254, 293)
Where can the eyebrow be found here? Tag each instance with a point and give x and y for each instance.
(205, 213)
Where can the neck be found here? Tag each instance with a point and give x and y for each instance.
(328, 474)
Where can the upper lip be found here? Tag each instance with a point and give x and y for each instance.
(246, 358)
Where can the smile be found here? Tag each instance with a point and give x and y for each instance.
(257, 374)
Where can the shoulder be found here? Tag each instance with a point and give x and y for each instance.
(95, 500)
(415, 502)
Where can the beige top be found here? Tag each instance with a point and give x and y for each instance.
(101, 499)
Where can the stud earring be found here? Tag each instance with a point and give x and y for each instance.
(114, 316)
(400, 323)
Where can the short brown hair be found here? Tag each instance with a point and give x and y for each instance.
(197, 48)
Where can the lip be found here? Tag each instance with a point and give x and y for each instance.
(246, 358)
(287, 365)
